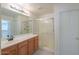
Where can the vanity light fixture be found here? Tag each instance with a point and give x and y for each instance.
(20, 8)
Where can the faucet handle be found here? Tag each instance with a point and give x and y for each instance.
(12, 36)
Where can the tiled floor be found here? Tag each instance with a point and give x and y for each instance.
(43, 52)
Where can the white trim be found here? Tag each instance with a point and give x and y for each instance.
(48, 49)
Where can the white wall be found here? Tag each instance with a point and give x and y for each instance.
(57, 9)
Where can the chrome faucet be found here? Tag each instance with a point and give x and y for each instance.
(10, 37)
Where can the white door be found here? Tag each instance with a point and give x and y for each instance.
(69, 32)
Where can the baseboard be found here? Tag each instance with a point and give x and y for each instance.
(48, 49)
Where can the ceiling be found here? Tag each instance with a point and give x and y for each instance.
(35, 9)
(38, 9)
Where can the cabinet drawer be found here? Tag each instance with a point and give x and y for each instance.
(12, 50)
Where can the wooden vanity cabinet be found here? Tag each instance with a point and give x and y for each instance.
(36, 43)
(27, 47)
(12, 50)
(31, 46)
(23, 48)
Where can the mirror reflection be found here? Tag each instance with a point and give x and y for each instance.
(15, 25)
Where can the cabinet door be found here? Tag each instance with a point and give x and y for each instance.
(12, 50)
(31, 46)
(23, 48)
(36, 44)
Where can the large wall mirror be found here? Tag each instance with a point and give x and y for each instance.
(15, 24)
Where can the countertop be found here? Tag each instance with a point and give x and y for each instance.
(16, 39)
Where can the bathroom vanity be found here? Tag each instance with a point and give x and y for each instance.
(16, 31)
(20, 45)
